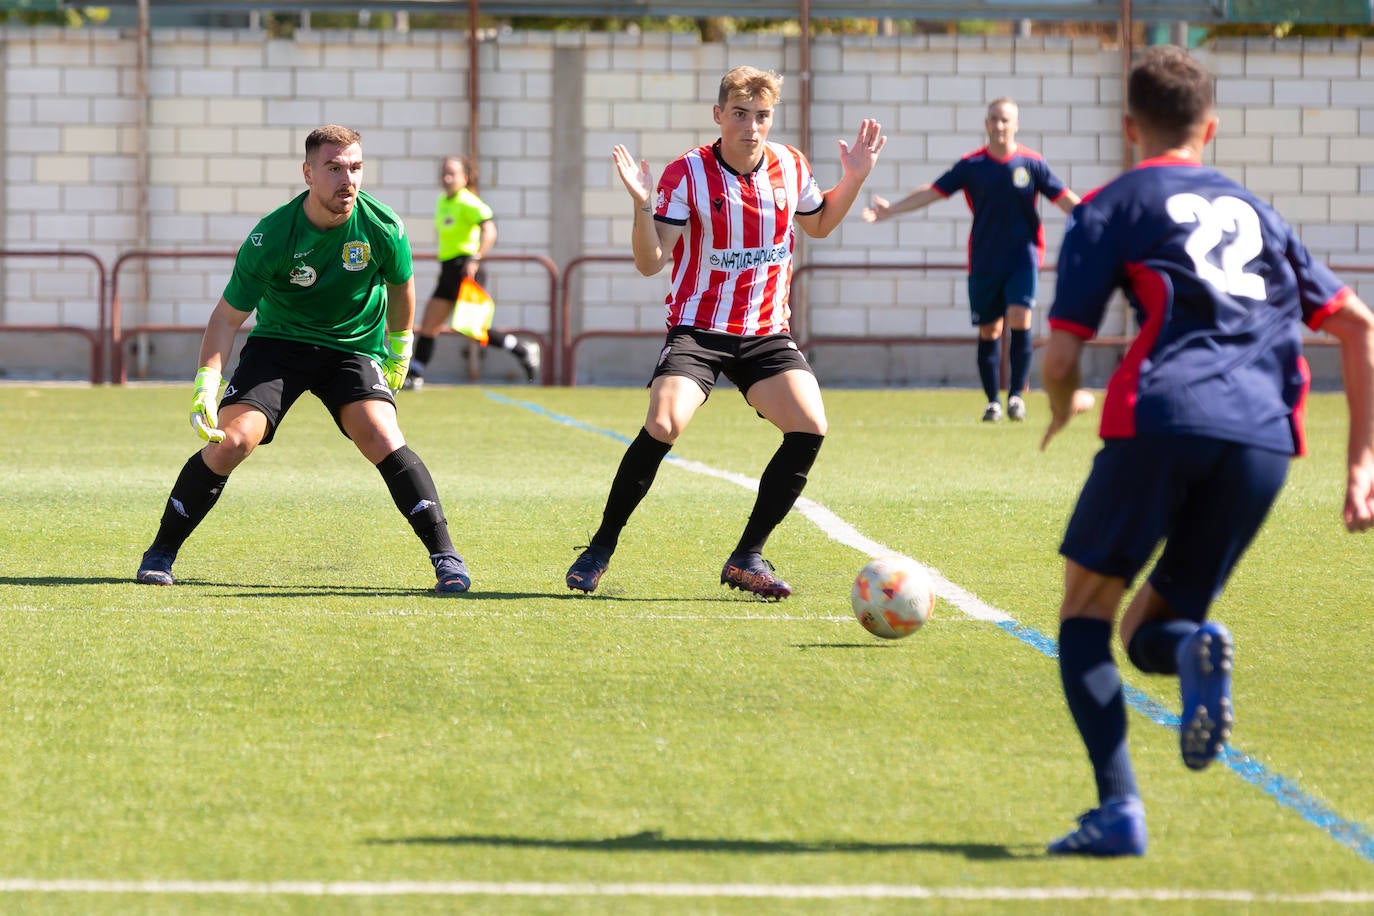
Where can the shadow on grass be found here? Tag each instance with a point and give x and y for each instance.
(65, 580)
(234, 589)
(241, 590)
(653, 841)
(282, 590)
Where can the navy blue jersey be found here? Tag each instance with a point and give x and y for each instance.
(1219, 284)
(1007, 233)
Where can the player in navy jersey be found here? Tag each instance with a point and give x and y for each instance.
(1006, 246)
(1199, 423)
(724, 215)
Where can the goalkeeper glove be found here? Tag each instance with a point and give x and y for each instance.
(205, 405)
(397, 363)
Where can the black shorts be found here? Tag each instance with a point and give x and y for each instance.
(703, 355)
(272, 374)
(451, 274)
(1204, 498)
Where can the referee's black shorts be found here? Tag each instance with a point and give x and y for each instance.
(451, 274)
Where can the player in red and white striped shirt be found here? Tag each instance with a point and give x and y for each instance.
(724, 214)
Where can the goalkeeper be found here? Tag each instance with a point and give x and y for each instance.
(329, 275)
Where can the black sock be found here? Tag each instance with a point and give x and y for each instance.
(424, 351)
(194, 494)
(1020, 357)
(1092, 687)
(1154, 647)
(987, 367)
(779, 486)
(632, 481)
(413, 491)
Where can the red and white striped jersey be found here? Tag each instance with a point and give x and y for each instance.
(732, 268)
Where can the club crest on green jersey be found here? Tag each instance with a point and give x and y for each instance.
(356, 255)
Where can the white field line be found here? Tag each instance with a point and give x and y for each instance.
(670, 890)
(841, 532)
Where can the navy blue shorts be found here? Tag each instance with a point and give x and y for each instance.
(703, 356)
(1204, 498)
(272, 374)
(990, 293)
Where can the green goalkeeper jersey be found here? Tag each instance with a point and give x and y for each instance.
(322, 287)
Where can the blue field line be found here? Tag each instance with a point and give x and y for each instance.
(1285, 791)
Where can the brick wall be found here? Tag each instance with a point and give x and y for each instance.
(227, 112)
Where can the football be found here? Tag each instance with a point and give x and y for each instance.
(892, 597)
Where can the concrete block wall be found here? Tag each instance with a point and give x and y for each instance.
(227, 112)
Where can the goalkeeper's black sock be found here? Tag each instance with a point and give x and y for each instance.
(194, 494)
(413, 491)
(632, 481)
(779, 486)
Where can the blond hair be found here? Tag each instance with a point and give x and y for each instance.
(750, 83)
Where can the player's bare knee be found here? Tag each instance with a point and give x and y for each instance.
(223, 457)
(662, 429)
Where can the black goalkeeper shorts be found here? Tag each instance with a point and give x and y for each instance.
(272, 374)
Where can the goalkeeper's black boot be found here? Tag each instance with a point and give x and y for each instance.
(156, 567)
(451, 575)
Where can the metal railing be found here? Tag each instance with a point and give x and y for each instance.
(119, 372)
(119, 333)
(568, 342)
(96, 337)
(559, 341)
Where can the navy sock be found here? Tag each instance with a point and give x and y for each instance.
(1154, 647)
(1092, 687)
(987, 367)
(632, 481)
(1020, 358)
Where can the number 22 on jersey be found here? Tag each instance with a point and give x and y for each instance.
(1214, 220)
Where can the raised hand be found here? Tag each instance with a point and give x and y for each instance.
(637, 177)
(863, 155)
